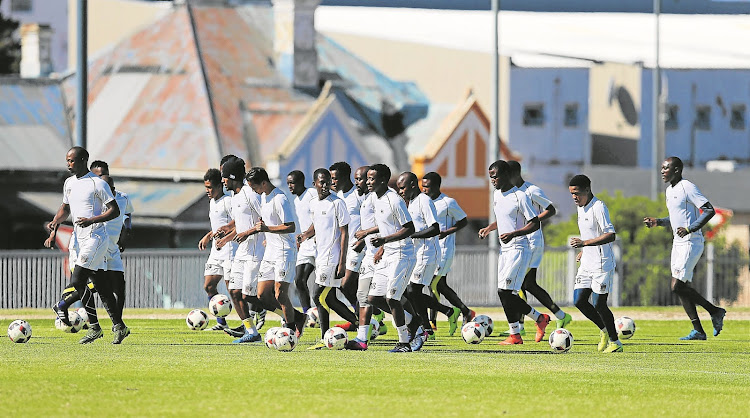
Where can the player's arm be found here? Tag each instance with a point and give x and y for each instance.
(224, 229)
(307, 234)
(285, 228)
(221, 242)
(484, 232)
(62, 214)
(707, 212)
(203, 243)
(548, 212)
(360, 234)
(431, 231)
(406, 230)
(341, 269)
(652, 222)
(455, 228)
(602, 239)
(531, 226)
(112, 212)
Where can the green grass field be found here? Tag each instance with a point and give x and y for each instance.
(163, 368)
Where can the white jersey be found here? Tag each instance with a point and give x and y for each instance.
(220, 214)
(246, 213)
(539, 202)
(593, 222)
(424, 215)
(353, 200)
(328, 215)
(512, 210)
(367, 221)
(302, 210)
(277, 210)
(114, 226)
(390, 215)
(683, 202)
(87, 196)
(448, 214)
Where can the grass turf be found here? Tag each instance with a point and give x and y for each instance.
(164, 368)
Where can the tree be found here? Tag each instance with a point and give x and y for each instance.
(10, 46)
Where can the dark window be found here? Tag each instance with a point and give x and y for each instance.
(703, 117)
(672, 121)
(737, 120)
(533, 115)
(20, 5)
(571, 115)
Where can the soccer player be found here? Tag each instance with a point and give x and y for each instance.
(89, 200)
(545, 209)
(330, 220)
(451, 219)
(219, 263)
(597, 262)
(515, 219)
(424, 216)
(306, 251)
(277, 268)
(689, 211)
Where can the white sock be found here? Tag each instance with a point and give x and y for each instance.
(560, 314)
(403, 334)
(362, 332)
(515, 328)
(534, 314)
(521, 326)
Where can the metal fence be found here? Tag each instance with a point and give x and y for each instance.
(174, 278)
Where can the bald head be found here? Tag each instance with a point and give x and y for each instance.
(408, 185)
(360, 179)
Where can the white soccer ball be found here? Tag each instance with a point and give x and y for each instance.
(335, 338)
(84, 315)
(625, 327)
(473, 332)
(270, 337)
(76, 323)
(375, 329)
(312, 318)
(197, 320)
(486, 322)
(220, 305)
(285, 340)
(560, 340)
(19, 331)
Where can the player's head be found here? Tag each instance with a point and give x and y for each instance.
(499, 174)
(378, 177)
(407, 185)
(226, 158)
(515, 172)
(233, 173)
(109, 181)
(213, 184)
(99, 168)
(671, 170)
(580, 189)
(77, 160)
(360, 179)
(431, 184)
(322, 182)
(295, 180)
(340, 175)
(258, 179)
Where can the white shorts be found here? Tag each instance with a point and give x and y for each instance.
(599, 281)
(244, 275)
(280, 270)
(354, 260)
(305, 259)
(423, 273)
(391, 277)
(92, 249)
(114, 260)
(685, 256)
(216, 267)
(367, 266)
(537, 251)
(446, 262)
(512, 264)
(325, 275)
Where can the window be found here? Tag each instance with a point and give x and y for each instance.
(20, 5)
(533, 115)
(671, 121)
(737, 119)
(703, 117)
(571, 115)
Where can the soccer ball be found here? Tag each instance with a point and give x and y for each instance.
(375, 333)
(312, 318)
(335, 338)
(19, 331)
(220, 305)
(84, 316)
(284, 340)
(473, 332)
(197, 320)
(270, 337)
(486, 322)
(76, 323)
(560, 340)
(625, 327)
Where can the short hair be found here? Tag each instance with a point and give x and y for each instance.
(297, 175)
(99, 164)
(80, 152)
(382, 171)
(580, 180)
(501, 167)
(233, 169)
(676, 162)
(434, 178)
(213, 175)
(515, 167)
(321, 171)
(227, 157)
(409, 176)
(342, 167)
(257, 175)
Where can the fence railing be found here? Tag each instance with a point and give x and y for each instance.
(174, 278)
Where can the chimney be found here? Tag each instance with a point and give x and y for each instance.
(294, 41)
(36, 50)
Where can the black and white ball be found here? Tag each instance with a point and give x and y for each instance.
(19, 331)
(197, 320)
(85, 316)
(220, 305)
(560, 340)
(312, 318)
(335, 338)
(473, 332)
(270, 337)
(285, 340)
(76, 323)
(625, 327)
(486, 322)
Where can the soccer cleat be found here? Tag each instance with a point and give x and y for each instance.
(718, 320)
(62, 315)
(470, 317)
(430, 334)
(95, 332)
(318, 346)
(414, 329)
(603, 340)
(541, 326)
(453, 321)
(507, 333)
(356, 345)
(217, 327)
(613, 347)
(694, 335)
(121, 331)
(300, 325)
(380, 316)
(235, 332)
(418, 342)
(261, 320)
(348, 327)
(562, 323)
(383, 329)
(401, 348)
(512, 339)
(248, 338)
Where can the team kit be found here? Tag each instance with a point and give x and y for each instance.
(354, 246)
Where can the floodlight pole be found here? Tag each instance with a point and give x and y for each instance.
(493, 143)
(656, 113)
(81, 73)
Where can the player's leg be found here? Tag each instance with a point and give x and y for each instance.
(350, 282)
(681, 290)
(301, 275)
(600, 304)
(210, 286)
(72, 292)
(442, 287)
(581, 296)
(365, 309)
(118, 288)
(531, 286)
(684, 258)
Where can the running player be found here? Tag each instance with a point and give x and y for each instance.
(689, 211)
(545, 209)
(306, 251)
(597, 262)
(515, 219)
